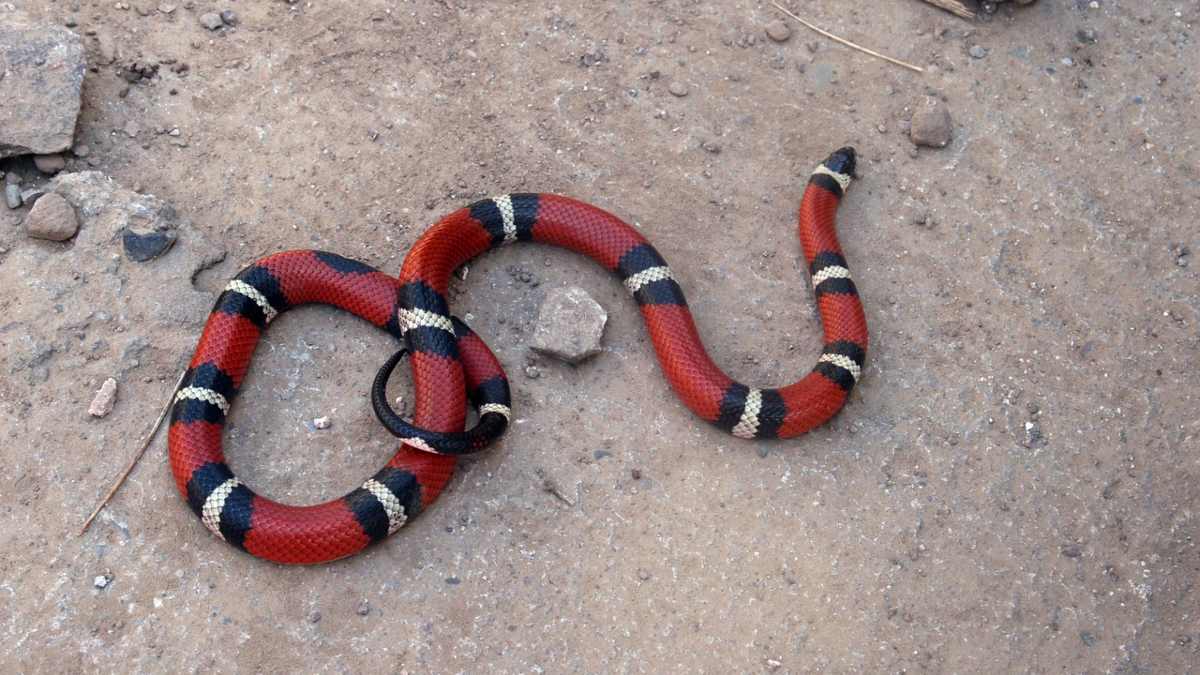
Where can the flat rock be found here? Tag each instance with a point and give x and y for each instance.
(570, 325)
(51, 218)
(146, 225)
(41, 76)
(50, 164)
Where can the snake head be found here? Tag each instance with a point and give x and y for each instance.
(843, 161)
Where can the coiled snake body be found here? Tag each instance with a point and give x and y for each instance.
(449, 362)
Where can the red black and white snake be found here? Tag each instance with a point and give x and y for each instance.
(449, 362)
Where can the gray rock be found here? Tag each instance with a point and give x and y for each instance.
(229, 17)
(569, 326)
(12, 195)
(142, 244)
(30, 195)
(41, 75)
(211, 20)
(146, 225)
(51, 218)
(932, 126)
(50, 164)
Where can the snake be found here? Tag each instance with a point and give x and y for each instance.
(450, 364)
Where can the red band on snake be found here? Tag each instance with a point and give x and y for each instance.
(449, 362)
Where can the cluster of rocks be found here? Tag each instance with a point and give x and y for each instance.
(42, 67)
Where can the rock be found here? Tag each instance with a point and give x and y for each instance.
(779, 31)
(41, 75)
(12, 195)
(50, 164)
(932, 126)
(977, 51)
(570, 325)
(102, 581)
(322, 423)
(51, 218)
(103, 403)
(81, 150)
(211, 20)
(143, 244)
(678, 88)
(229, 17)
(30, 195)
(146, 225)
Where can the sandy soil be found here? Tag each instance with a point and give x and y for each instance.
(1013, 487)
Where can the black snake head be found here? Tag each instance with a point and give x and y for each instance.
(843, 161)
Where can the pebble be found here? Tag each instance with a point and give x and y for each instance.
(144, 244)
(50, 164)
(314, 617)
(532, 372)
(131, 129)
(103, 403)
(322, 422)
(211, 20)
(1072, 551)
(229, 17)
(81, 150)
(12, 195)
(779, 31)
(30, 195)
(52, 218)
(977, 51)
(678, 88)
(569, 325)
(932, 126)
(364, 608)
(102, 581)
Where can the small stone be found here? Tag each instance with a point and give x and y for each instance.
(678, 88)
(779, 31)
(103, 403)
(314, 617)
(322, 423)
(143, 244)
(52, 218)
(932, 126)
(166, 8)
(50, 164)
(211, 20)
(12, 195)
(636, 474)
(81, 150)
(364, 608)
(229, 17)
(532, 372)
(570, 325)
(131, 129)
(29, 196)
(977, 51)
(102, 581)
(1072, 551)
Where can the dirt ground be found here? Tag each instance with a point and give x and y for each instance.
(1012, 488)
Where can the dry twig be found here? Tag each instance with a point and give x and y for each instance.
(133, 462)
(846, 42)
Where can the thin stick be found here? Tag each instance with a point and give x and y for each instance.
(846, 42)
(133, 462)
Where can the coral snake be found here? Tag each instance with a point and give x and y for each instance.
(451, 363)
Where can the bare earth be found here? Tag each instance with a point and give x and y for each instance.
(1013, 486)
